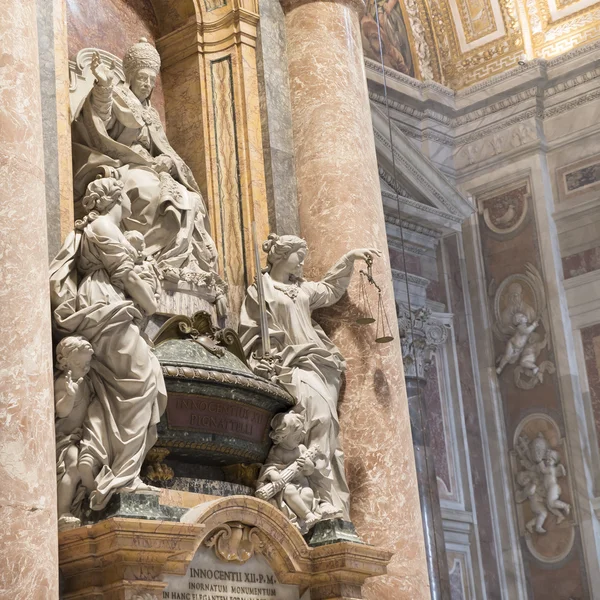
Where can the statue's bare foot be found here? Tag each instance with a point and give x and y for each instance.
(567, 509)
(559, 519)
(328, 511)
(137, 486)
(540, 530)
(68, 521)
(311, 519)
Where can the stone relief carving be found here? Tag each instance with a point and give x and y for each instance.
(117, 132)
(538, 471)
(504, 213)
(420, 336)
(493, 141)
(235, 542)
(538, 481)
(519, 310)
(307, 364)
(107, 408)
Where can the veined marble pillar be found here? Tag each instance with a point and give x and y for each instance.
(28, 543)
(340, 208)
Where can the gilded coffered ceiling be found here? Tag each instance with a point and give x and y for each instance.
(461, 42)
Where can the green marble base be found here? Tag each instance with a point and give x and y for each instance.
(331, 532)
(135, 506)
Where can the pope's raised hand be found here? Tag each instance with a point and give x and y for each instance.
(102, 73)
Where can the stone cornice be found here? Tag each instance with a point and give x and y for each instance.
(538, 81)
(357, 5)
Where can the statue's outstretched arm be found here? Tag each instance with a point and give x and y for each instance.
(331, 288)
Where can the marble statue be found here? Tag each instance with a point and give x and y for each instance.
(303, 360)
(100, 294)
(118, 132)
(285, 478)
(73, 395)
(537, 482)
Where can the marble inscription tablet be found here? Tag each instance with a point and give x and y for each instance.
(208, 578)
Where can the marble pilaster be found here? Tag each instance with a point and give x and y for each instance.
(28, 551)
(210, 61)
(421, 335)
(339, 209)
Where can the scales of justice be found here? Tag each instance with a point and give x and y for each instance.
(174, 433)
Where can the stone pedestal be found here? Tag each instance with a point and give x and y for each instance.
(124, 559)
(28, 551)
(136, 559)
(340, 208)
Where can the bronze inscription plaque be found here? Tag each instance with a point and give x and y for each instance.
(218, 416)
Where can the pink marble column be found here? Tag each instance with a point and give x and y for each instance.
(28, 541)
(340, 208)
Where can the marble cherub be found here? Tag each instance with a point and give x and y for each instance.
(517, 343)
(285, 477)
(529, 490)
(73, 394)
(538, 481)
(551, 470)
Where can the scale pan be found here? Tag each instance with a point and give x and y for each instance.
(384, 339)
(365, 320)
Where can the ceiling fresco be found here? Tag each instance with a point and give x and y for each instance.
(462, 42)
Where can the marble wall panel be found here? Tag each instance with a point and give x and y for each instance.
(436, 290)
(473, 424)
(437, 434)
(113, 25)
(590, 337)
(503, 256)
(581, 262)
(405, 261)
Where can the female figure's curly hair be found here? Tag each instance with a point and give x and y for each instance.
(279, 248)
(101, 195)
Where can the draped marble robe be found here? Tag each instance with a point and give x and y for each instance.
(310, 366)
(88, 299)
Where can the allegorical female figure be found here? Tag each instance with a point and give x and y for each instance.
(305, 361)
(118, 129)
(98, 295)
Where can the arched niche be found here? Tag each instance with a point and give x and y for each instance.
(173, 14)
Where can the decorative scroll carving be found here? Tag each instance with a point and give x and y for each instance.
(235, 542)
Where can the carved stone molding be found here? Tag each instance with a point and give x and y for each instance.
(420, 336)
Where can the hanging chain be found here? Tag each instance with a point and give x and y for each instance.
(410, 319)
